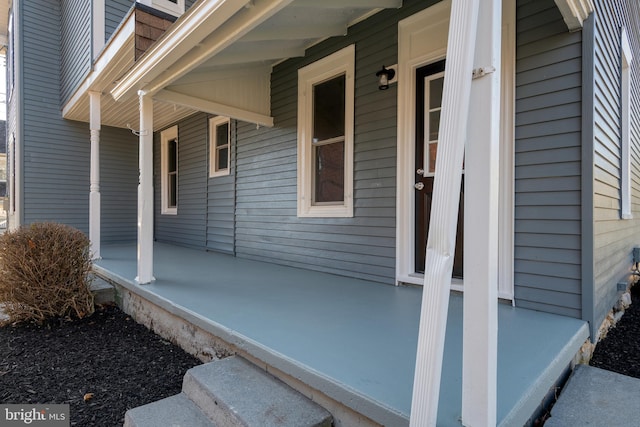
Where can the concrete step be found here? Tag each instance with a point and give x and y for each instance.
(235, 393)
(103, 291)
(595, 397)
(174, 411)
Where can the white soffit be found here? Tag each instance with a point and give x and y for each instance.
(575, 12)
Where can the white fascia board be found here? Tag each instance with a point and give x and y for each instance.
(113, 52)
(186, 33)
(575, 12)
(153, 78)
(212, 107)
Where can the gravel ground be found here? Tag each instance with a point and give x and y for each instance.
(101, 366)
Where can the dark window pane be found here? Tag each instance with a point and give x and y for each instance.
(329, 176)
(223, 159)
(435, 93)
(433, 152)
(329, 109)
(173, 190)
(172, 156)
(222, 135)
(434, 125)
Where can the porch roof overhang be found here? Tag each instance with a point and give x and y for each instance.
(218, 57)
(575, 12)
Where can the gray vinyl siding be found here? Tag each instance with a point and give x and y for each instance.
(75, 50)
(118, 185)
(547, 239)
(114, 13)
(614, 238)
(267, 226)
(56, 152)
(188, 227)
(221, 205)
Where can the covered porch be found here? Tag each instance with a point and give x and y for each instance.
(351, 340)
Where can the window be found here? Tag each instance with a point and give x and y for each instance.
(625, 107)
(219, 147)
(172, 7)
(169, 160)
(325, 136)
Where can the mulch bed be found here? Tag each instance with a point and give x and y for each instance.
(619, 351)
(101, 366)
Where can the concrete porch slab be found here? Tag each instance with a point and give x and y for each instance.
(353, 340)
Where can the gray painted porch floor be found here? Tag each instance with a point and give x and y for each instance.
(354, 340)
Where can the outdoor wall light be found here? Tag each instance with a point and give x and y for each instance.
(385, 77)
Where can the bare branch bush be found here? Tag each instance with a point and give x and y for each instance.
(44, 273)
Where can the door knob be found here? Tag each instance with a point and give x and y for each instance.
(420, 171)
(419, 185)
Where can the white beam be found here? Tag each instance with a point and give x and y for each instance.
(145, 191)
(482, 180)
(350, 4)
(213, 107)
(444, 213)
(297, 32)
(267, 53)
(94, 184)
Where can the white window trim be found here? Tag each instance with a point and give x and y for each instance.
(166, 136)
(214, 122)
(340, 62)
(166, 6)
(625, 110)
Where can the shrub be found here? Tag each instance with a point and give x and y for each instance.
(44, 273)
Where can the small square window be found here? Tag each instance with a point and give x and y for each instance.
(219, 146)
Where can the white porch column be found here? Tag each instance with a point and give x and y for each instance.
(444, 212)
(94, 178)
(482, 166)
(145, 191)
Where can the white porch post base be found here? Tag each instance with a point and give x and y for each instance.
(482, 163)
(444, 213)
(145, 192)
(94, 189)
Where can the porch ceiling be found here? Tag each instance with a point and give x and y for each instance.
(218, 57)
(4, 23)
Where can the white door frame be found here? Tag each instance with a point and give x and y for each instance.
(422, 39)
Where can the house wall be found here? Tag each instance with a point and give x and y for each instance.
(267, 226)
(56, 151)
(188, 227)
(114, 13)
(614, 238)
(547, 248)
(118, 185)
(75, 51)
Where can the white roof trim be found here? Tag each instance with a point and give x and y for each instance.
(575, 12)
(173, 55)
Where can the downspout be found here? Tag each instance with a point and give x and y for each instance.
(587, 165)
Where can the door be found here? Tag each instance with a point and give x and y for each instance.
(429, 84)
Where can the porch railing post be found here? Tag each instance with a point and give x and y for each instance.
(94, 178)
(482, 166)
(145, 191)
(444, 212)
